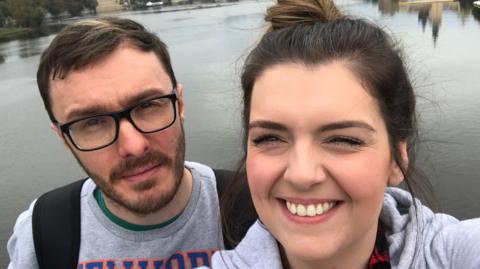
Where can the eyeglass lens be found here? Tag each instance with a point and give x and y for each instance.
(98, 131)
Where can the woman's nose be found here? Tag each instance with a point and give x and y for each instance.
(305, 167)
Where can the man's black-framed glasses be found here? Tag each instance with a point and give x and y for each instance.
(99, 131)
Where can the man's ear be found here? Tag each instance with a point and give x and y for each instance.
(397, 176)
(181, 102)
(55, 129)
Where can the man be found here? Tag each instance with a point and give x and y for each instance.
(112, 97)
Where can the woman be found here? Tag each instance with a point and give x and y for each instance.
(329, 114)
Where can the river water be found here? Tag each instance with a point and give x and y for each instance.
(441, 43)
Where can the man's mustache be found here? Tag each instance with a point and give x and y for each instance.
(150, 157)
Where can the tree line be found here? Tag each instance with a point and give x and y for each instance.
(32, 13)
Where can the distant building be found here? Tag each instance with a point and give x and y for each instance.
(109, 6)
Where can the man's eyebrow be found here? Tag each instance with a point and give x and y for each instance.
(100, 109)
(86, 111)
(266, 124)
(145, 94)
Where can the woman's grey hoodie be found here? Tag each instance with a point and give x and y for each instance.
(417, 239)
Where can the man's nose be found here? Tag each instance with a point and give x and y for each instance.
(305, 167)
(130, 141)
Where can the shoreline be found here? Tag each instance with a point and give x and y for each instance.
(153, 10)
(53, 26)
(13, 33)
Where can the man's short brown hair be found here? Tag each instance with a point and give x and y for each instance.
(88, 41)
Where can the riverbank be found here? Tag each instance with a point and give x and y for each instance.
(162, 9)
(7, 34)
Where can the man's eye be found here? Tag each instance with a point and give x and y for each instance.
(146, 105)
(91, 122)
(152, 105)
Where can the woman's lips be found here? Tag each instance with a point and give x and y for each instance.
(309, 212)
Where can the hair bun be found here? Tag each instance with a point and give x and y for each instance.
(293, 12)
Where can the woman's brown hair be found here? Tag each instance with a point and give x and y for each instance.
(315, 32)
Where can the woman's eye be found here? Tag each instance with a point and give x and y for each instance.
(265, 139)
(346, 141)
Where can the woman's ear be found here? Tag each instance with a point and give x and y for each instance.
(397, 176)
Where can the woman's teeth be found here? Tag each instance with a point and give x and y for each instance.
(310, 210)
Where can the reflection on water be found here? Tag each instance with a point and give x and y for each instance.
(429, 12)
(432, 13)
(30, 47)
(31, 44)
(2, 54)
(14, 51)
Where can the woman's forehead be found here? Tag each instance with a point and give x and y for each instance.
(326, 91)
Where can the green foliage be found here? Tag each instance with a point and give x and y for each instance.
(4, 8)
(90, 5)
(30, 13)
(26, 13)
(4, 13)
(476, 13)
(74, 7)
(36, 18)
(54, 7)
(140, 4)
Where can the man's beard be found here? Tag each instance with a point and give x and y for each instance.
(154, 200)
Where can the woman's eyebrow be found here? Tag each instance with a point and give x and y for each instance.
(346, 124)
(266, 124)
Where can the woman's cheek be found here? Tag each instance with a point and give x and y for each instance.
(261, 174)
(366, 177)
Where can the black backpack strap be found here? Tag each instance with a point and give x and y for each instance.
(56, 222)
(56, 227)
